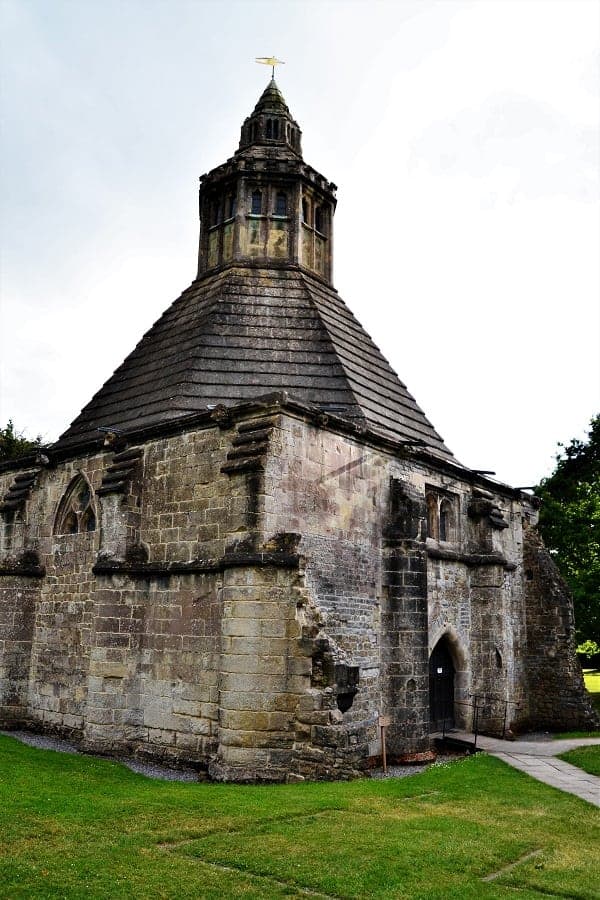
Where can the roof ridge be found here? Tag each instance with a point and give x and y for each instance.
(326, 327)
(352, 368)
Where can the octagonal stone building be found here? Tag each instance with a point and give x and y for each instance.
(252, 543)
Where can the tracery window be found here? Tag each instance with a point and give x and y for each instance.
(76, 509)
(281, 204)
(256, 207)
(441, 516)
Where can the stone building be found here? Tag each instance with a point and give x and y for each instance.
(252, 543)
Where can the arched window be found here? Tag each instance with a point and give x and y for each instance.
(446, 521)
(215, 212)
(76, 509)
(281, 204)
(320, 219)
(269, 129)
(432, 516)
(256, 208)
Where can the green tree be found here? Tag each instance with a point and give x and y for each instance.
(14, 444)
(570, 525)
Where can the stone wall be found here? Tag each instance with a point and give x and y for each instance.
(386, 592)
(17, 612)
(153, 673)
(120, 651)
(328, 488)
(557, 696)
(258, 592)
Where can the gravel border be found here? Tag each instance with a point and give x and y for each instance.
(167, 773)
(150, 770)
(442, 759)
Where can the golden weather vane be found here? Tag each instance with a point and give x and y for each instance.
(270, 61)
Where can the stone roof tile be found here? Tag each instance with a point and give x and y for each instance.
(241, 333)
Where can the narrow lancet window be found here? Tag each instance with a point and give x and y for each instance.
(446, 521)
(281, 204)
(432, 517)
(269, 129)
(320, 219)
(215, 212)
(256, 207)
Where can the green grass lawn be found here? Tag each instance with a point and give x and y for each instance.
(586, 758)
(592, 683)
(79, 827)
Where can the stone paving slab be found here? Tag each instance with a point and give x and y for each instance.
(566, 778)
(537, 758)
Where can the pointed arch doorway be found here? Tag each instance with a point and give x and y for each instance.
(441, 686)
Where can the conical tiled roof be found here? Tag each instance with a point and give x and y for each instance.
(271, 107)
(245, 332)
(271, 101)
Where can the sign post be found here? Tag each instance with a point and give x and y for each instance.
(384, 721)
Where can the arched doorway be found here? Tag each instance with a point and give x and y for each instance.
(441, 686)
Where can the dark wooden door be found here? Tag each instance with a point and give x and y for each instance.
(441, 688)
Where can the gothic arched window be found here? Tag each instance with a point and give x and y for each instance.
(256, 208)
(446, 521)
(281, 204)
(76, 509)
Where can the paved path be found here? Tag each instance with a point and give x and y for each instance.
(538, 759)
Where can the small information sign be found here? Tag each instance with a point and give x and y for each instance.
(384, 721)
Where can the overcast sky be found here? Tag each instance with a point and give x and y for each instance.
(464, 140)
